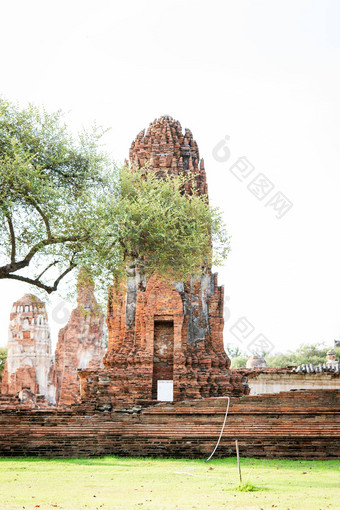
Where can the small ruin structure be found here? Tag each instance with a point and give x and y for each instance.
(256, 361)
(262, 379)
(31, 370)
(29, 358)
(81, 343)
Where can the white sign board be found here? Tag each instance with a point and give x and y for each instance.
(165, 391)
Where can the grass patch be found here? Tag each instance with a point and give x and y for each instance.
(247, 487)
(120, 483)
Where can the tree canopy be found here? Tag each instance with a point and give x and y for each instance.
(304, 354)
(64, 204)
(3, 357)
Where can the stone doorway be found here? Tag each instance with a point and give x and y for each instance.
(163, 354)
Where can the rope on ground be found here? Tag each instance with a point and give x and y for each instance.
(219, 439)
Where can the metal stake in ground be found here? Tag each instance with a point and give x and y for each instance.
(238, 461)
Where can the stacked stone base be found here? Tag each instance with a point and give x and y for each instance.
(297, 424)
(132, 381)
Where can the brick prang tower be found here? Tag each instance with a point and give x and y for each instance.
(160, 331)
(29, 357)
(81, 343)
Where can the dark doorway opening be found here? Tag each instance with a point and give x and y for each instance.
(163, 354)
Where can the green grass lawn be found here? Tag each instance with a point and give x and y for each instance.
(125, 483)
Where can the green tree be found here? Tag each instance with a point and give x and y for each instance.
(3, 357)
(237, 356)
(64, 204)
(239, 361)
(233, 351)
(305, 354)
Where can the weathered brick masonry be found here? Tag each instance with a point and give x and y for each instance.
(303, 424)
(160, 331)
(163, 332)
(28, 362)
(81, 343)
(30, 366)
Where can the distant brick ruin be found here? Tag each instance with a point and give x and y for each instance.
(81, 344)
(29, 358)
(165, 340)
(262, 379)
(30, 365)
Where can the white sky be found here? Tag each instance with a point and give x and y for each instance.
(265, 73)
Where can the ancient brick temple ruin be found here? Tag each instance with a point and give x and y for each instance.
(81, 343)
(165, 340)
(165, 343)
(29, 359)
(30, 365)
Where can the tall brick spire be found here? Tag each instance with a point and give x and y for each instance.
(168, 150)
(165, 340)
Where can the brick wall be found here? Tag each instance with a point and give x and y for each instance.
(297, 424)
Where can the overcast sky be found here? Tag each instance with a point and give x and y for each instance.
(263, 76)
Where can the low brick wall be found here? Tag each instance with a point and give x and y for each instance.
(275, 380)
(296, 424)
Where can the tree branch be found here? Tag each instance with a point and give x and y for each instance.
(68, 270)
(12, 233)
(46, 269)
(43, 215)
(48, 288)
(51, 241)
(16, 266)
